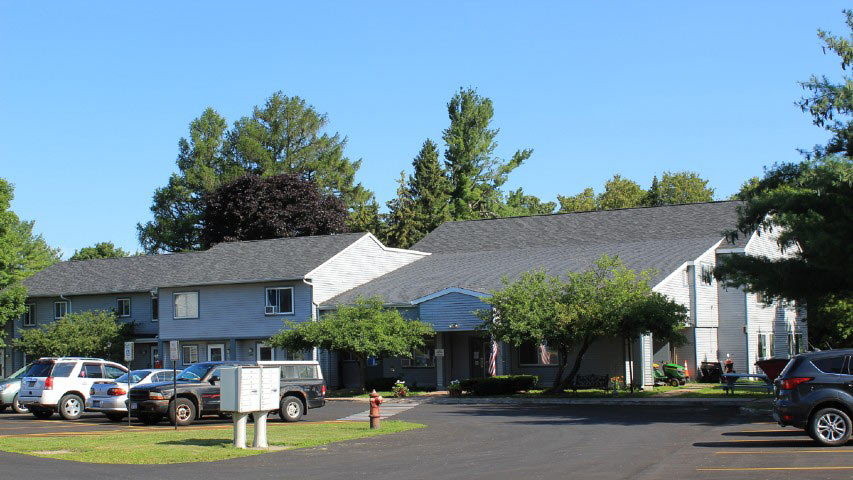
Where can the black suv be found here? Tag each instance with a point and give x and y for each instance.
(302, 387)
(815, 392)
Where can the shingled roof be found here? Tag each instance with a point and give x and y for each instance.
(696, 220)
(233, 262)
(483, 271)
(476, 255)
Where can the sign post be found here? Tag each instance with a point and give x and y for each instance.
(128, 357)
(173, 354)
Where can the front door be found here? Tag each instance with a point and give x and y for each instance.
(216, 352)
(479, 357)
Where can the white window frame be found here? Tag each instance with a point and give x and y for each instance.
(184, 354)
(64, 313)
(175, 304)
(29, 317)
(211, 346)
(259, 346)
(119, 311)
(270, 309)
(764, 341)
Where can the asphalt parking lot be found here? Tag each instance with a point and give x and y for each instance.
(497, 441)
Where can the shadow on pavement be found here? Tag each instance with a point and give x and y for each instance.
(199, 442)
(770, 443)
(592, 414)
(758, 433)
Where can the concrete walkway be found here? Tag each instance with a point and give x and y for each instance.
(387, 409)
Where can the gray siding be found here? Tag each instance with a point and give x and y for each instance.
(453, 308)
(140, 310)
(230, 311)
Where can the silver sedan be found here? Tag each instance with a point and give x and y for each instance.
(110, 398)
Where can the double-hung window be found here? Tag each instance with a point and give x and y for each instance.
(29, 317)
(763, 345)
(186, 304)
(60, 309)
(707, 274)
(123, 307)
(279, 301)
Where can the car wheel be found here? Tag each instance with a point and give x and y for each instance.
(830, 427)
(41, 414)
(149, 419)
(183, 413)
(115, 417)
(70, 406)
(290, 409)
(17, 406)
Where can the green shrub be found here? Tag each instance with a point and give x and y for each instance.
(500, 385)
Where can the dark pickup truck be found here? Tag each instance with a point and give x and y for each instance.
(302, 388)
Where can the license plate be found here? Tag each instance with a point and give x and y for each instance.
(96, 403)
(133, 405)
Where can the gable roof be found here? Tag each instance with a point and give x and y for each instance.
(670, 222)
(483, 271)
(231, 262)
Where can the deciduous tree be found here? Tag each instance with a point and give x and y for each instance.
(99, 250)
(80, 334)
(257, 208)
(22, 254)
(366, 329)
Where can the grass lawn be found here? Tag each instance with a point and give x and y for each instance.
(151, 446)
(716, 391)
(709, 391)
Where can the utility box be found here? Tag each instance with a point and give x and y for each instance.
(249, 388)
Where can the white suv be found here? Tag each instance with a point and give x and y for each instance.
(62, 384)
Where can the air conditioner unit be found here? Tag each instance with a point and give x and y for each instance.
(270, 310)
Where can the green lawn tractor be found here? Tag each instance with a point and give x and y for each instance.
(669, 374)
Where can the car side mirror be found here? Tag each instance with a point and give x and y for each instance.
(213, 380)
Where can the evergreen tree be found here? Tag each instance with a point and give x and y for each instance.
(285, 135)
(476, 175)
(430, 189)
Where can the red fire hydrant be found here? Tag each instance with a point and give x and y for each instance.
(375, 401)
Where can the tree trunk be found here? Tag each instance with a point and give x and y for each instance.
(561, 368)
(569, 380)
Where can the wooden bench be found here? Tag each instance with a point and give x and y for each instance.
(730, 382)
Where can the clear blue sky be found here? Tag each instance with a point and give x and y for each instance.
(95, 95)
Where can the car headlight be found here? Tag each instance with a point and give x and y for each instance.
(156, 396)
(5, 387)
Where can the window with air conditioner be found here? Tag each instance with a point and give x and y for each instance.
(279, 301)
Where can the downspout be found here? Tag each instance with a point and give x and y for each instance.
(746, 327)
(66, 300)
(316, 353)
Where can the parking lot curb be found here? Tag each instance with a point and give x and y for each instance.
(649, 402)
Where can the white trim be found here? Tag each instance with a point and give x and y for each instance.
(732, 250)
(129, 306)
(267, 299)
(376, 240)
(64, 313)
(183, 355)
(211, 346)
(441, 293)
(749, 242)
(258, 352)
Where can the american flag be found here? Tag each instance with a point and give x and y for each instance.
(544, 355)
(493, 359)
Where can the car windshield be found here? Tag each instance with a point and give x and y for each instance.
(136, 376)
(193, 373)
(20, 373)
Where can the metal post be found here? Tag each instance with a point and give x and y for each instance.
(127, 402)
(175, 392)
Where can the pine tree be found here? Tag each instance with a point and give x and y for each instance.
(430, 189)
(476, 175)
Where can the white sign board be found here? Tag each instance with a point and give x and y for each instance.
(173, 350)
(245, 389)
(128, 351)
(439, 352)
